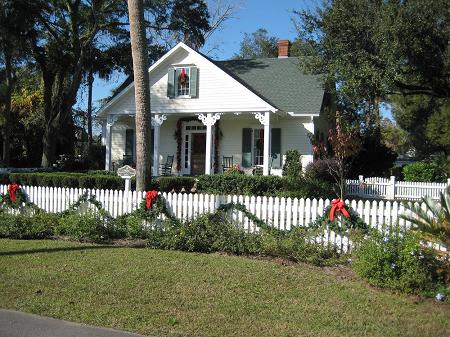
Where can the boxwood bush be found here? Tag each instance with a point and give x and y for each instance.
(425, 172)
(68, 179)
(399, 261)
(167, 184)
(240, 184)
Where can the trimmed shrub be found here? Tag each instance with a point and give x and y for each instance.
(89, 225)
(4, 178)
(167, 184)
(207, 233)
(292, 166)
(399, 262)
(239, 184)
(27, 226)
(297, 245)
(306, 188)
(424, 171)
(68, 179)
(319, 170)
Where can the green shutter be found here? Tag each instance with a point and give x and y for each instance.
(276, 148)
(129, 142)
(193, 80)
(246, 147)
(171, 83)
(152, 139)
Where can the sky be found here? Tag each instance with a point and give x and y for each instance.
(249, 15)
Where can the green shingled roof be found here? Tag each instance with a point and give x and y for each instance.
(279, 81)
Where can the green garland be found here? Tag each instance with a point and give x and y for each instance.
(158, 207)
(340, 224)
(22, 201)
(87, 198)
(242, 208)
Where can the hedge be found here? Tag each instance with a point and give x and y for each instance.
(238, 184)
(68, 179)
(93, 179)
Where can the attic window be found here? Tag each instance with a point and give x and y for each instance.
(182, 82)
(183, 76)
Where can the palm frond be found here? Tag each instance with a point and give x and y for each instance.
(431, 218)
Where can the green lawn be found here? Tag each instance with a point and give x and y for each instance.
(168, 293)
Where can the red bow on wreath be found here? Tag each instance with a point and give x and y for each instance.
(150, 196)
(12, 190)
(338, 206)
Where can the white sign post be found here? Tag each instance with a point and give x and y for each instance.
(126, 172)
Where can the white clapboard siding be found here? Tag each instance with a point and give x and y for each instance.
(281, 213)
(382, 188)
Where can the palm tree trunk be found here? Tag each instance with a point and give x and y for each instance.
(141, 94)
(89, 107)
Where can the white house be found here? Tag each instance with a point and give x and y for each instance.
(204, 110)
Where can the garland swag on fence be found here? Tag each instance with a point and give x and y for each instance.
(336, 217)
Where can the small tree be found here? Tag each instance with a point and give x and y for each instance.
(293, 166)
(344, 142)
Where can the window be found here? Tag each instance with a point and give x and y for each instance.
(258, 146)
(129, 143)
(183, 76)
(182, 82)
(253, 147)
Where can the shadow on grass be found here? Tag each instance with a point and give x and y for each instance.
(54, 250)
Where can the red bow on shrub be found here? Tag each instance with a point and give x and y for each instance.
(12, 190)
(338, 206)
(150, 196)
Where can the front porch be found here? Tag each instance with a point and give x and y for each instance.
(199, 142)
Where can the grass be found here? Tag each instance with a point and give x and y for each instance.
(170, 293)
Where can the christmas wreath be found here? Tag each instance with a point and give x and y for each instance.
(15, 197)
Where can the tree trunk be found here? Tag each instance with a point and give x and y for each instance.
(49, 146)
(141, 94)
(8, 123)
(89, 107)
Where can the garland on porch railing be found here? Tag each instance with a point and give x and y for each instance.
(178, 137)
(217, 137)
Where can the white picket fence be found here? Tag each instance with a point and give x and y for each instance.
(281, 213)
(383, 188)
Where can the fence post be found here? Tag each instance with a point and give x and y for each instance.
(360, 187)
(391, 191)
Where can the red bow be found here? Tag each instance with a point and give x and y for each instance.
(149, 197)
(338, 206)
(12, 190)
(182, 75)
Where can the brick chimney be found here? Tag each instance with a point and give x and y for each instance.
(283, 48)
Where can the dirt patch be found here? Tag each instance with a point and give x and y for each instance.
(341, 272)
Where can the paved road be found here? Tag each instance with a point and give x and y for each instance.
(18, 324)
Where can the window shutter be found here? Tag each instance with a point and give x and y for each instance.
(276, 148)
(152, 139)
(129, 142)
(246, 147)
(171, 85)
(193, 80)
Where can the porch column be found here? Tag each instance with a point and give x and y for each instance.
(264, 119)
(111, 119)
(157, 121)
(208, 120)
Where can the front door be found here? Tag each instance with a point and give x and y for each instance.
(198, 148)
